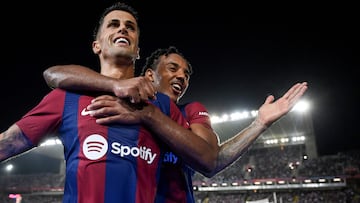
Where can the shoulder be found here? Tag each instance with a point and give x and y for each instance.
(192, 106)
(164, 103)
(160, 96)
(196, 112)
(56, 92)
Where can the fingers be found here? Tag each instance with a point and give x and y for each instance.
(295, 90)
(107, 120)
(137, 89)
(298, 93)
(104, 97)
(106, 109)
(295, 93)
(105, 106)
(102, 102)
(269, 99)
(147, 91)
(291, 91)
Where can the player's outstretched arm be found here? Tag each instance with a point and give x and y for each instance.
(272, 110)
(200, 147)
(269, 112)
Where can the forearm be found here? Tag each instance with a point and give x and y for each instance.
(194, 150)
(236, 146)
(12, 143)
(77, 77)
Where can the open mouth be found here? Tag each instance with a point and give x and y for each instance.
(121, 41)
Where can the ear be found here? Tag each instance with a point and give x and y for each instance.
(96, 47)
(149, 73)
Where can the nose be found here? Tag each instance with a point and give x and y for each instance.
(122, 29)
(182, 72)
(181, 79)
(181, 76)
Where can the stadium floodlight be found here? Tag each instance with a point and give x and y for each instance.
(269, 182)
(235, 116)
(257, 182)
(307, 181)
(301, 106)
(322, 180)
(281, 182)
(9, 167)
(50, 142)
(337, 179)
(214, 184)
(224, 184)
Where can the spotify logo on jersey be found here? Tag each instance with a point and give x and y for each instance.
(95, 146)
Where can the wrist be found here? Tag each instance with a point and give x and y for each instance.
(148, 113)
(258, 122)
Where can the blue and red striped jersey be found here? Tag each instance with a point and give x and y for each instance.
(104, 163)
(175, 184)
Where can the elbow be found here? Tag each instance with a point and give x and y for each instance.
(51, 76)
(208, 173)
(48, 76)
(209, 165)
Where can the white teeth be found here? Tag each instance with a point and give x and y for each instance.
(177, 87)
(121, 40)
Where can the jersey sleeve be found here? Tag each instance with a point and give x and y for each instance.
(44, 118)
(197, 113)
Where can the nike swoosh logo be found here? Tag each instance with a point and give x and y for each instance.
(85, 112)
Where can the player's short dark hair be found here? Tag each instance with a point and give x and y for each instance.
(116, 6)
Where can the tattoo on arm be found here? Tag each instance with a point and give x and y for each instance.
(13, 142)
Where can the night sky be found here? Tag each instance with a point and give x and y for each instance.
(240, 53)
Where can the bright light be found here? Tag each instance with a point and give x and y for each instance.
(233, 116)
(50, 142)
(237, 116)
(298, 138)
(9, 167)
(284, 140)
(281, 182)
(301, 106)
(272, 141)
(257, 182)
(307, 181)
(217, 119)
(322, 180)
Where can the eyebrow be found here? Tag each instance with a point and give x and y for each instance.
(177, 65)
(118, 21)
(114, 21)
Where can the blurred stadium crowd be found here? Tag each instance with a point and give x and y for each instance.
(273, 174)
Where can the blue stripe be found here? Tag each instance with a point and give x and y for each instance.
(69, 140)
(121, 177)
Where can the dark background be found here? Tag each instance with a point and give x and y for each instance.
(240, 52)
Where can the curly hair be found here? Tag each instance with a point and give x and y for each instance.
(153, 60)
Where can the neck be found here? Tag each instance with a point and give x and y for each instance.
(118, 69)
